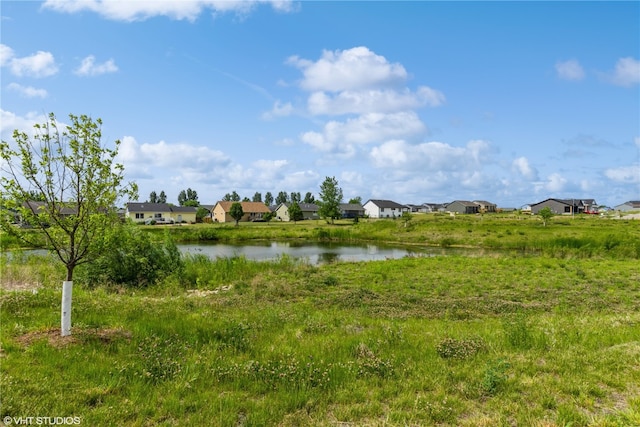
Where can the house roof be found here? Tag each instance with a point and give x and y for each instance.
(146, 207)
(568, 202)
(385, 203)
(183, 209)
(247, 207)
(484, 202)
(305, 207)
(463, 203)
(351, 207)
(633, 203)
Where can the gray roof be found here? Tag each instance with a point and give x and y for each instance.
(146, 207)
(385, 203)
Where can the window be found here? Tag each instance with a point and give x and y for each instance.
(139, 216)
(567, 209)
(157, 215)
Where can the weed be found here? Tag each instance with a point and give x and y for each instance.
(495, 376)
(451, 348)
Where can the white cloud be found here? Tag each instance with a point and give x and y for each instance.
(432, 156)
(10, 121)
(27, 91)
(6, 54)
(570, 70)
(372, 100)
(174, 156)
(279, 110)
(351, 69)
(555, 183)
(522, 167)
(368, 128)
(627, 72)
(624, 174)
(88, 67)
(40, 64)
(175, 9)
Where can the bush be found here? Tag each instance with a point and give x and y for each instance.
(133, 259)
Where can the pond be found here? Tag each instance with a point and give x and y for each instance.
(312, 252)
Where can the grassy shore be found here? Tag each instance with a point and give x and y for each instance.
(545, 337)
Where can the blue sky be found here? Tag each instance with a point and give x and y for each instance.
(511, 102)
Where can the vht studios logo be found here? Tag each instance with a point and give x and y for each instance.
(41, 421)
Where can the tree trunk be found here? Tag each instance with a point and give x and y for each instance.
(65, 318)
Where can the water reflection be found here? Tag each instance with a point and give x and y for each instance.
(314, 253)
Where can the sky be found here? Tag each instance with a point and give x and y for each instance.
(416, 101)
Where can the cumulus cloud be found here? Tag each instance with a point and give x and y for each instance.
(27, 91)
(6, 54)
(175, 9)
(624, 174)
(351, 69)
(431, 156)
(88, 67)
(570, 70)
(40, 64)
(174, 156)
(365, 129)
(555, 183)
(522, 167)
(372, 100)
(10, 121)
(627, 72)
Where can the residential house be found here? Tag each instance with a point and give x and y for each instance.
(375, 208)
(253, 211)
(180, 214)
(559, 206)
(463, 207)
(432, 207)
(485, 206)
(631, 205)
(309, 211)
(351, 210)
(141, 212)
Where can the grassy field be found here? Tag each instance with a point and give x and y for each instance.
(546, 335)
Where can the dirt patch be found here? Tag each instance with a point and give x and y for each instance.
(54, 339)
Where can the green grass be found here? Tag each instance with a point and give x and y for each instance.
(551, 338)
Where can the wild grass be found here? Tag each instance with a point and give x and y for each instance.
(536, 338)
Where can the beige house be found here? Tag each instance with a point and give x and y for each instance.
(309, 211)
(252, 211)
(160, 212)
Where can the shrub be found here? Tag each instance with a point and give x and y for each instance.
(133, 259)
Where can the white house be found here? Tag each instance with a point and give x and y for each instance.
(384, 209)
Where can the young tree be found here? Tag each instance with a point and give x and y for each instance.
(330, 199)
(308, 198)
(268, 216)
(295, 212)
(406, 217)
(546, 214)
(236, 211)
(268, 198)
(79, 184)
